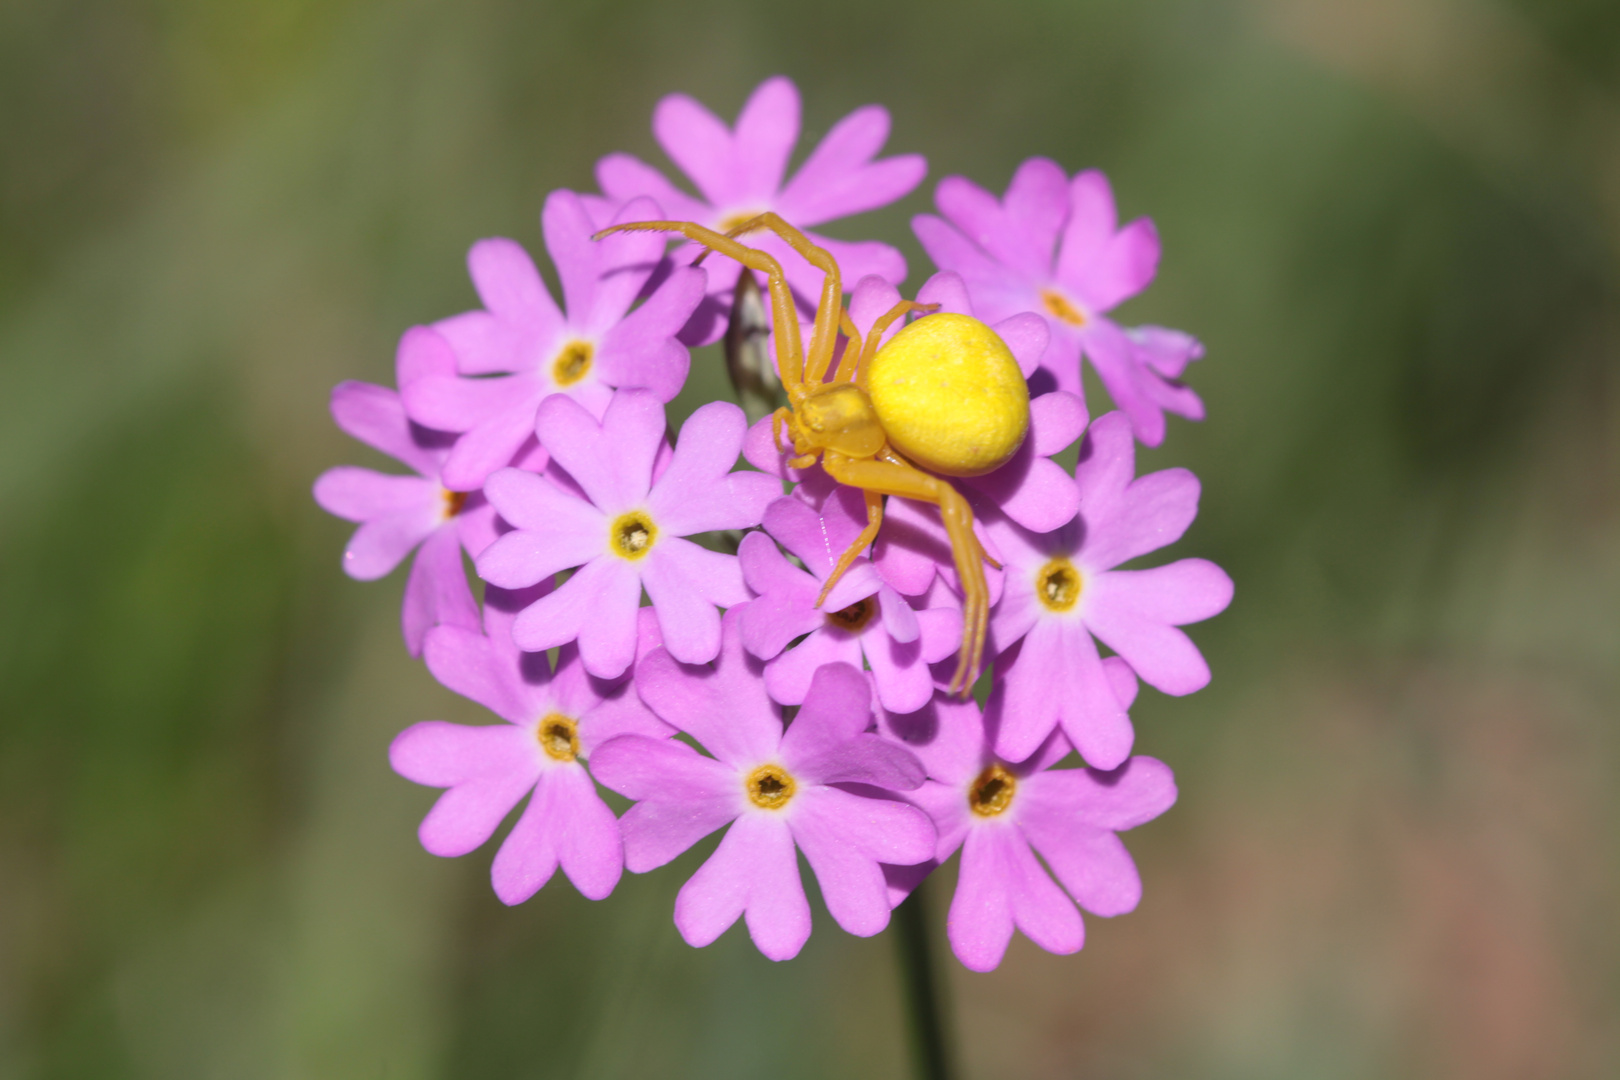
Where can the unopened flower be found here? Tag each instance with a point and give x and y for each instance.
(556, 720)
(780, 792)
(623, 528)
(1062, 589)
(862, 615)
(520, 349)
(1001, 814)
(397, 514)
(739, 175)
(1053, 245)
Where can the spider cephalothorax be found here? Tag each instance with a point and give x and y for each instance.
(943, 397)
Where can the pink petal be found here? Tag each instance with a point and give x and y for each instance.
(600, 279)
(380, 545)
(528, 855)
(1155, 511)
(839, 178)
(437, 592)
(375, 416)
(685, 582)
(598, 607)
(510, 286)
(641, 350)
(456, 403)
(1026, 336)
(788, 676)
(684, 796)
(1040, 910)
(767, 129)
(870, 300)
(754, 872)
(837, 707)
(845, 837)
(487, 770)
(1135, 612)
(588, 844)
(467, 662)
(698, 492)
(356, 494)
(1114, 360)
(783, 610)
(724, 707)
(1091, 225)
(1123, 268)
(949, 291)
(611, 460)
(696, 140)
(1056, 677)
(980, 923)
(496, 441)
(625, 177)
(904, 683)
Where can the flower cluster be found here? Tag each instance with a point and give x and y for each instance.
(619, 611)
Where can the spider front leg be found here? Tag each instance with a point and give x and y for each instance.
(894, 476)
(874, 518)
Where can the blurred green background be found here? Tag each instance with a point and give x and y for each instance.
(1396, 225)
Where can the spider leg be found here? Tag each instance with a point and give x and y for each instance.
(857, 360)
(831, 307)
(789, 348)
(895, 476)
(874, 518)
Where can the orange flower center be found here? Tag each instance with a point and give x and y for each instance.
(992, 792)
(770, 787)
(1061, 307)
(559, 737)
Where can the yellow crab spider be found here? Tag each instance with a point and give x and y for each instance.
(944, 396)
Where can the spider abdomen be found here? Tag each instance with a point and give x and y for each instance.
(950, 396)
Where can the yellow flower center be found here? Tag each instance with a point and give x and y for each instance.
(770, 787)
(632, 535)
(854, 618)
(572, 363)
(453, 502)
(737, 218)
(1058, 585)
(992, 792)
(559, 737)
(1061, 307)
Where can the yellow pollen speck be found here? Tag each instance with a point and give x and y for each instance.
(559, 737)
(1061, 307)
(770, 787)
(572, 363)
(454, 501)
(631, 536)
(854, 618)
(1058, 585)
(950, 396)
(992, 792)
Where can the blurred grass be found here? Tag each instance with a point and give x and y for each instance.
(1395, 225)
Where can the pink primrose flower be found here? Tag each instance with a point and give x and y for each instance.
(398, 514)
(1009, 253)
(1001, 814)
(862, 616)
(556, 720)
(1062, 589)
(817, 787)
(520, 349)
(622, 525)
(738, 173)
